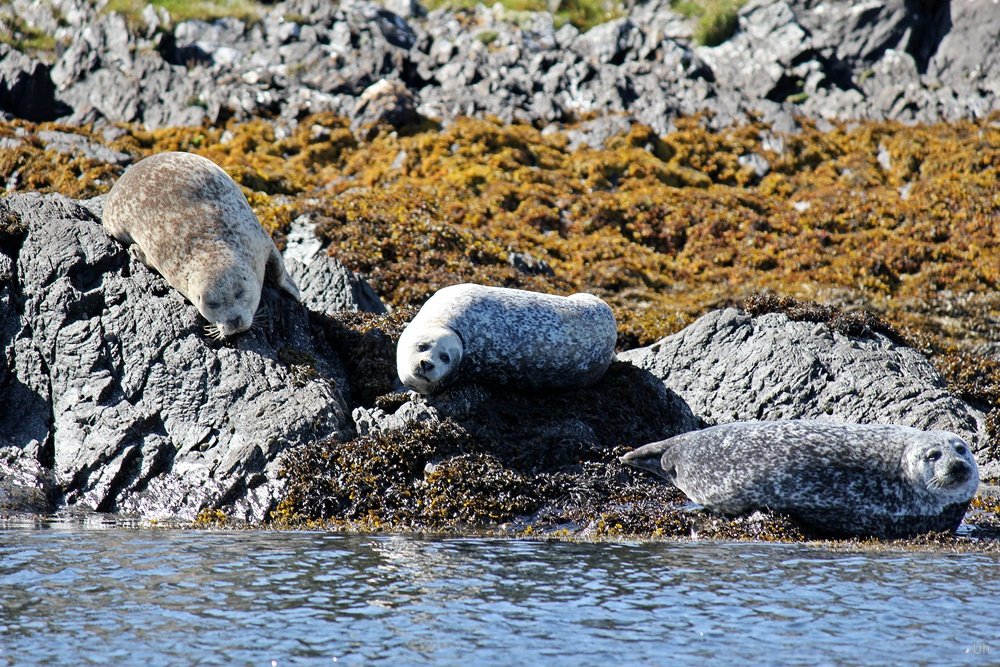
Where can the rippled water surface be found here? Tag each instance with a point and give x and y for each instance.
(172, 597)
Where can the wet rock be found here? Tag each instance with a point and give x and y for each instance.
(729, 366)
(110, 383)
(25, 486)
(627, 405)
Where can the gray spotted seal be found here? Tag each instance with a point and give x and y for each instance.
(497, 335)
(183, 216)
(837, 479)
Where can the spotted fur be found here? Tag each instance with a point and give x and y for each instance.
(839, 479)
(497, 335)
(183, 216)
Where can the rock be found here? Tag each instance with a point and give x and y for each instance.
(834, 59)
(25, 486)
(325, 284)
(384, 103)
(969, 71)
(729, 366)
(26, 89)
(78, 145)
(628, 405)
(111, 384)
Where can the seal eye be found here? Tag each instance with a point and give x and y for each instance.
(934, 455)
(445, 358)
(960, 450)
(423, 347)
(240, 293)
(212, 304)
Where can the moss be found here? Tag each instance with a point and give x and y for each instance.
(24, 37)
(716, 20)
(584, 14)
(211, 518)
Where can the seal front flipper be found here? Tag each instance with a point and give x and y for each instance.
(276, 271)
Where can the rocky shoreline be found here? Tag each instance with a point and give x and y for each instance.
(590, 176)
(788, 59)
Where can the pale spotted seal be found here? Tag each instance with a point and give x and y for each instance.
(497, 335)
(837, 479)
(183, 216)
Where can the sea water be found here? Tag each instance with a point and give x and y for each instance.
(76, 596)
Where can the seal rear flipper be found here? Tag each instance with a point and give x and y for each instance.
(276, 271)
(650, 457)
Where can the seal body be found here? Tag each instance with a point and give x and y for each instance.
(183, 216)
(837, 479)
(497, 335)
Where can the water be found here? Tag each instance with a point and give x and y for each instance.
(171, 597)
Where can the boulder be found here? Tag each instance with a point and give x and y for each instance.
(26, 89)
(110, 383)
(729, 366)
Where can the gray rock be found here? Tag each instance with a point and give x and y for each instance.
(26, 89)
(628, 405)
(756, 163)
(79, 146)
(730, 367)
(325, 284)
(826, 60)
(25, 486)
(384, 103)
(110, 383)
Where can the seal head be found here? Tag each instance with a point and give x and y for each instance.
(944, 466)
(426, 359)
(227, 297)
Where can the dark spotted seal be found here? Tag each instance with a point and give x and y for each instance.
(837, 479)
(497, 335)
(183, 216)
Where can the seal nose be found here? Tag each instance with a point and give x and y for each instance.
(959, 472)
(426, 365)
(235, 324)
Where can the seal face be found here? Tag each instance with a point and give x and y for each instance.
(837, 479)
(183, 216)
(498, 335)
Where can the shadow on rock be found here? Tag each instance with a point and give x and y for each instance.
(491, 458)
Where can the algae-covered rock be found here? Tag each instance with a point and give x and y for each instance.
(480, 457)
(730, 366)
(109, 381)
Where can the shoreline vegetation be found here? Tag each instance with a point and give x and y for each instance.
(860, 225)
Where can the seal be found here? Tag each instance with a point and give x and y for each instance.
(497, 335)
(183, 216)
(836, 479)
